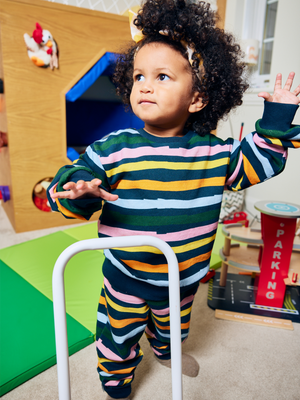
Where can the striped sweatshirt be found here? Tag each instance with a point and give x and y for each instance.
(172, 188)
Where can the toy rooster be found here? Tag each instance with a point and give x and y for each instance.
(42, 48)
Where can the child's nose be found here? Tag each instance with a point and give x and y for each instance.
(147, 87)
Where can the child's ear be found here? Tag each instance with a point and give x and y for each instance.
(196, 103)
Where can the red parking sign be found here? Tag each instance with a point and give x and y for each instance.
(278, 237)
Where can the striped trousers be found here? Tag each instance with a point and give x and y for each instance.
(122, 319)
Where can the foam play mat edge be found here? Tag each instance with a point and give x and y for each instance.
(27, 339)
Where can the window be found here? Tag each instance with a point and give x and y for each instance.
(268, 38)
(259, 23)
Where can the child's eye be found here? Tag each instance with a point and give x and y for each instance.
(163, 77)
(139, 78)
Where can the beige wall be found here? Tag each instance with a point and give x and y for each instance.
(110, 6)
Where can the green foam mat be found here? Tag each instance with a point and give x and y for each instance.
(27, 341)
(34, 261)
(88, 231)
(26, 318)
(215, 260)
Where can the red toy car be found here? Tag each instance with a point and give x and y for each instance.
(238, 217)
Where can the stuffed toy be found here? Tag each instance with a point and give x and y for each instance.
(40, 195)
(3, 139)
(42, 48)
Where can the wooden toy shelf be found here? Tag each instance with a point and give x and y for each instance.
(246, 257)
(34, 111)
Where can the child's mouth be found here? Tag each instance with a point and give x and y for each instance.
(146, 101)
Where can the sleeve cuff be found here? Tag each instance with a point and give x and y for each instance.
(278, 116)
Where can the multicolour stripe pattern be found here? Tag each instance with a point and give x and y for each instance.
(171, 188)
(121, 321)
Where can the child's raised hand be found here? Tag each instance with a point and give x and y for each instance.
(283, 95)
(83, 189)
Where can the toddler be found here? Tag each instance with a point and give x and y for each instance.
(180, 78)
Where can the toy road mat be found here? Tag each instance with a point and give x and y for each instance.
(27, 340)
(237, 296)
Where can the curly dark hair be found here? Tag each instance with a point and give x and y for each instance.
(220, 80)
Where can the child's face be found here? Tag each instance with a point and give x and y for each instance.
(162, 94)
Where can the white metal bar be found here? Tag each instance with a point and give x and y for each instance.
(62, 352)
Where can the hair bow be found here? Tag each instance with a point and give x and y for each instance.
(137, 35)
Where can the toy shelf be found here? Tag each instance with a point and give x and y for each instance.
(242, 234)
(242, 257)
(246, 258)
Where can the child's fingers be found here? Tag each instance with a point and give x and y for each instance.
(297, 90)
(283, 95)
(74, 190)
(69, 185)
(63, 195)
(289, 81)
(95, 183)
(265, 95)
(108, 196)
(80, 185)
(81, 189)
(99, 192)
(278, 82)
